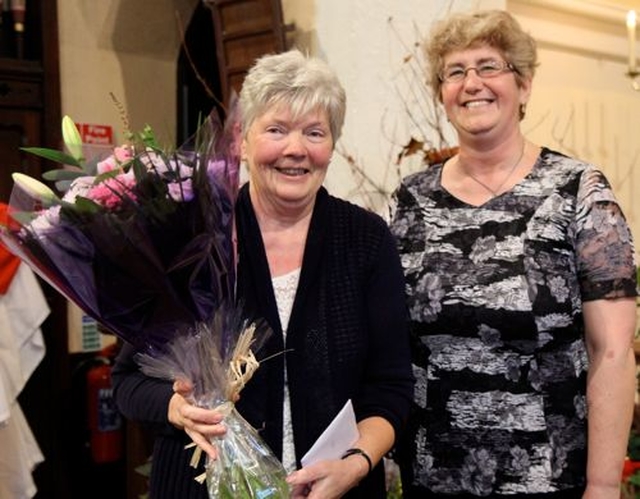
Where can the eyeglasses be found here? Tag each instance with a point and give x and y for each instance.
(486, 69)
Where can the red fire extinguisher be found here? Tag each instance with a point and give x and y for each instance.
(105, 422)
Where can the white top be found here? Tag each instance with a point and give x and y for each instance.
(284, 288)
(23, 308)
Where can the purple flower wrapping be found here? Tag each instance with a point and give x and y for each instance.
(146, 256)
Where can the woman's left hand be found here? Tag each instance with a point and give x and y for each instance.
(327, 479)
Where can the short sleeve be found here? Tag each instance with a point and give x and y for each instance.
(604, 245)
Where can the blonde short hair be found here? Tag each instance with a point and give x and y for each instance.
(495, 28)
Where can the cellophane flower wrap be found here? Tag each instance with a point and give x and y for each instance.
(142, 241)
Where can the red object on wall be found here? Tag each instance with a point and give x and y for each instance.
(105, 422)
(95, 134)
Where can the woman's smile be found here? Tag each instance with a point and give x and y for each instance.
(291, 171)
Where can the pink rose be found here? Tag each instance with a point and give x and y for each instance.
(107, 165)
(111, 192)
(123, 154)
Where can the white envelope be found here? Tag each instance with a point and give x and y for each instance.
(339, 436)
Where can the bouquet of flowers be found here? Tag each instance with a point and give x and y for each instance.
(142, 241)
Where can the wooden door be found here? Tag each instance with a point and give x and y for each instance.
(245, 30)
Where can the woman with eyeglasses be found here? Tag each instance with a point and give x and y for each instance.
(521, 287)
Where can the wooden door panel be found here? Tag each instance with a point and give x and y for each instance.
(242, 52)
(251, 15)
(244, 30)
(17, 129)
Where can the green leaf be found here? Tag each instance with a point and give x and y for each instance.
(139, 169)
(53, 155)
(635, 478)
(148, 137)
(62, 174)
(225, 492)
(63, 185)
(107, 175)
(86, 205)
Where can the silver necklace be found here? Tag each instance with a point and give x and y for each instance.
(495, 192)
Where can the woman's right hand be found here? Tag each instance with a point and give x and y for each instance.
(199, 423)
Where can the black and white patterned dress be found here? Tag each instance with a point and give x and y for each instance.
(495, 297)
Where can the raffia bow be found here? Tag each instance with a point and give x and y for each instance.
(242, 366)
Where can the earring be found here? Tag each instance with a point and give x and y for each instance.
(523, 110)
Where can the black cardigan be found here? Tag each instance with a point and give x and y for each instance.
(347, 338)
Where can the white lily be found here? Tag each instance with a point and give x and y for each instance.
(35, 188)
(72, 138)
